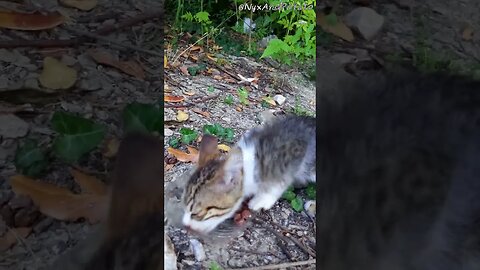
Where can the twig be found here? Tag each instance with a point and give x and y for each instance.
(112, 41)
(192, 104)
(277, 266)
(294, 240)
(228, 72)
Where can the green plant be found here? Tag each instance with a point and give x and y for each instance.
(174, 142)
(214, 266)
(243, 95)
(139, 117)
(188, 135)
(299, 110)
(228, 100)
(30, 159)
(295, 200)
(217, 130)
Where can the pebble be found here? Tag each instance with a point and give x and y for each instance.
(167, 132)
(198, 250)
(12, 126)
(279, 99)
(366, 21)
(310, 207)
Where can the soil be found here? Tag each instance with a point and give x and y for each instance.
(102, 92)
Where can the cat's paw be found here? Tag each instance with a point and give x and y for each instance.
(261, 202)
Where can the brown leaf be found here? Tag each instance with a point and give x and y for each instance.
(10, 238)
(339, 29)
(85, 5)
(88, 183)
(184, 157)
(184, 70)
(204, 113)
(61, 203)
(218, 77)
(30, 22)
(168, 98)
(188, 93)
(128, 67)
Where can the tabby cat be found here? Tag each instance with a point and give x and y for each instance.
(134, 232)
(263, 164)
(399, 174)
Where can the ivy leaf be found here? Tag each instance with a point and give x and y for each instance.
(311, 191)
(297, 204)
(76, 136)
(143, 118)
(202, 16)
(30, 160)
(188, 135)
(289, 195)
(174, 142)
(228, 134)
(229, 100)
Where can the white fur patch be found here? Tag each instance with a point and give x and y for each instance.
(267, 199)
(248, 153)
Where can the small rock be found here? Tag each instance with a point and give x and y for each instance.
(20, 201)
(12, 126)
(198, 250)
(343, 58)
(42, 225)
(264, 42)
(25, 217)
(310, 207)
(279, 99)
(167, 132)
(366, 21)
(170, 258)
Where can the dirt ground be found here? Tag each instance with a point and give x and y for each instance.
(101, 93)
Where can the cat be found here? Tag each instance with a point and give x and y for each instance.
(262, 165)
(399, 174)
(134, 229)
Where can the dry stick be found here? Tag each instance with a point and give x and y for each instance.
(294, 240)
(47, 43)
(112, 41)
(277, 266)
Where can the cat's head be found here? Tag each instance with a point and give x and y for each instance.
(214, 191)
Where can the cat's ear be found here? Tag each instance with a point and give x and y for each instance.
(233, 170)
(208, 149)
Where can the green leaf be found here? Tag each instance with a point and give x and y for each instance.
(174, 142)
(275, 46)
(297, 204)
(214, 266)
(77, 136)
(331, 19)
(289, 195)
(311, 191)
(30, 160)
(210, 89)
(143, 118)
(202, 16)
(229, 100)
(188, 135)
(196, 69)
(243, 95)
(228, 134)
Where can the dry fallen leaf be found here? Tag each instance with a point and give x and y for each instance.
(218, 77)
(269, 100)
(57, 75)
(192, 156)
(182, 116)
(339, 29)
(35, 21)
(60, 203)
(165, 62)
(129, 67)
(224, 147)
(111, 148)
(88, 183)
(85, 5)
(188, 93)
(209, 56)
(167, 167)
(168, 98)
(199, 111)
(184, 70)
(10, 238)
